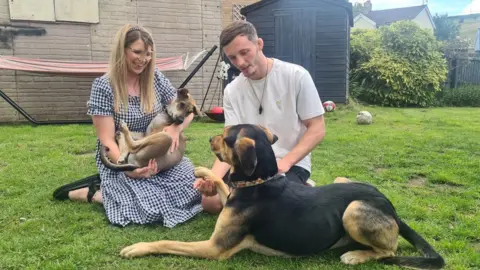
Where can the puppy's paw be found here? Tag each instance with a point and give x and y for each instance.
(354, 257)
(202, 172)
(123, 126)
(136, 250)
(342, 180)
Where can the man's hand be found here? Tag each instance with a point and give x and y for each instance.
(283, 166)
(174, 132)
(205, 186)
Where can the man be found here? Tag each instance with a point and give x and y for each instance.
(276, 94)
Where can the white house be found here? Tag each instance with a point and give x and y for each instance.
(373, 19)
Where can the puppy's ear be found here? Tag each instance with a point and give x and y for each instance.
(183, 92)
(197, 111)
(245, 149)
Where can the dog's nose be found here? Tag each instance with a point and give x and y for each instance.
(179, 120)
(210, 140)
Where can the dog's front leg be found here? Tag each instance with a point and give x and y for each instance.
(202, 249)
(228, 238)
(222, 188)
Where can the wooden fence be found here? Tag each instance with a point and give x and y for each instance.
(463, 70)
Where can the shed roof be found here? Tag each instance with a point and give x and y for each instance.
(262, 3)
(387, 16)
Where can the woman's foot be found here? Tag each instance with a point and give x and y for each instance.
(82, 195)
(86, 189)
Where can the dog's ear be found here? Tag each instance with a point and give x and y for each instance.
(183, 92)
(245, 149)
(230, 140)
(197, 111)
(272, 138)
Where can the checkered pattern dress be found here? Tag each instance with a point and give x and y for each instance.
(167, 198)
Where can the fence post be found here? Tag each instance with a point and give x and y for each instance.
(454, 74)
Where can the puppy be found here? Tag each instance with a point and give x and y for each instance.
(136, 149)
(271, 215)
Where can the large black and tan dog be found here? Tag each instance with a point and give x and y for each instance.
(268, 214)
(136, 149)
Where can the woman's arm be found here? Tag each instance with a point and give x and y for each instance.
(105, 129)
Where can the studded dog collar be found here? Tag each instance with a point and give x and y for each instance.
(243, 184)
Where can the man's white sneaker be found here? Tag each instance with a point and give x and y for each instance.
(311, 183)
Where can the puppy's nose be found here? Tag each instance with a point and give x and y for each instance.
(210, 140)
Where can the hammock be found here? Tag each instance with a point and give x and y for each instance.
(63, 67)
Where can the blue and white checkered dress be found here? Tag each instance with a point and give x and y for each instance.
(168, 197)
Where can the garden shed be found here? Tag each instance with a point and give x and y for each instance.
(312, 33)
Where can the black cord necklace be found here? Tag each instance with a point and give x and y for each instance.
(260, 108)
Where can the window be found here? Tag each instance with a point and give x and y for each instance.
(85, 11)
(236, 12)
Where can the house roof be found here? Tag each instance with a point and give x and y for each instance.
(262, 3)
(387, 16)
(365, 18)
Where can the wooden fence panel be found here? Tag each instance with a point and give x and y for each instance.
(464, 71)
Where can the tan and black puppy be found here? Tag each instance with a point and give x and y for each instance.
(268, 214)
(136, 149)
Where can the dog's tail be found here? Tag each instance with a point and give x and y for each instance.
(112, 166)
(431, 259)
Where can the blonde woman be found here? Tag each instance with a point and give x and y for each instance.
(134, 91)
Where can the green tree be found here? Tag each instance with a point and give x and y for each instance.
(398, 65)
(446, 29)
(357, 9)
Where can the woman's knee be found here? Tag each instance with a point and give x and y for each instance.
(212, 204)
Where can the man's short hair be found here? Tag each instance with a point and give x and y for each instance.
(237, 28)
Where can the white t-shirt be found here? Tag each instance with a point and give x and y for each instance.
(290, 96)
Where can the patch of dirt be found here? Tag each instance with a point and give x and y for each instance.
(417, 180)
(380, 170)
(476, 245)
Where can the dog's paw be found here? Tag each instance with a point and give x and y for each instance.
(136, 250)
(201, 172)
(354, 257)
(123, 126)
(342, 180)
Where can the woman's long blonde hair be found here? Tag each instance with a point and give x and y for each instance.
(118, 69)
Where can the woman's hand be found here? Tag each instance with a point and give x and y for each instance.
(145, 172)
(174, 132)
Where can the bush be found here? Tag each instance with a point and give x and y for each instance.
(463, 96)
(398, 65)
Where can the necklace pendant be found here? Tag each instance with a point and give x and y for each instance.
(260, 109)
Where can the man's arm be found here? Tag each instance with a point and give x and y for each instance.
(310, 110)
(219, 168)
(313, 136)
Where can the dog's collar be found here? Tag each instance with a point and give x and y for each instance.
(243, 184)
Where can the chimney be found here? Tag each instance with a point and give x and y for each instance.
(367, 7)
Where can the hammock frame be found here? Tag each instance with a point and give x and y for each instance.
(32, 120)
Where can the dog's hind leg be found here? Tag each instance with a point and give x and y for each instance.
(228, 238)
(135, 145)
(369, 226)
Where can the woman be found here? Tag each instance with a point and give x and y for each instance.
(134, 91)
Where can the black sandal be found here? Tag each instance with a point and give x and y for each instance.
(92, 182)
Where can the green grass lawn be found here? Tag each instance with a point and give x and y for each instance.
(427, 161)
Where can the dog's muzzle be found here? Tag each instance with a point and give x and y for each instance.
(179, 120)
